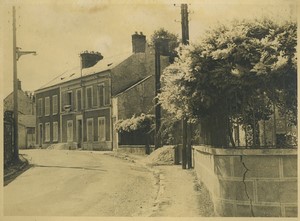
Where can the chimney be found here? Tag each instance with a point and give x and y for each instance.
(138, 43)
(19, 85)
(89, 59)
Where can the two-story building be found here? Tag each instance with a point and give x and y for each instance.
(26, 119)
(76, 108)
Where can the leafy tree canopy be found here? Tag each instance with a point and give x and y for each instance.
(235, 69)
(142, 123)
(173, 42)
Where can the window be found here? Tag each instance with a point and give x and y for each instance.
(101, 129)
(78, 99)
(89, 97)
(47, 106)
(47, 132)
(69, 130)
(40, 107)
(55, 131)
(54, 104)
(90, 129)
(69, 98)
(101, 95)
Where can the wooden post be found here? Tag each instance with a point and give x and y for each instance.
(189, 145)
(157, 91)
(184, 143)
(185, 41)
(15, 87)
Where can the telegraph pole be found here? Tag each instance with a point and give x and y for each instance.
(157, 90)
(15, 88)
(161, 49)
(17, 53)
(186, 133)
(158, 48)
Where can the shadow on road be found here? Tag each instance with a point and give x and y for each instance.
(66, 167)
(8, 179)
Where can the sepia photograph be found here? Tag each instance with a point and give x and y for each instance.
(149, 109)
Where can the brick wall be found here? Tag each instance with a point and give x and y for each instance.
(249, 182)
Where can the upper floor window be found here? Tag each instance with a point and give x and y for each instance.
(79, 99)
(89, 97)
(40, 107)
(69, 98)
(54, 104)
(47, 106)
(101, 95)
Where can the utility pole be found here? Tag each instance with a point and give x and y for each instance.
(161, 48)
(17, 53)
(186, 127)
(157, 90)
(15, 88)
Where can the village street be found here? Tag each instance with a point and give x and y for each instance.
(86, 183)
(79, 183)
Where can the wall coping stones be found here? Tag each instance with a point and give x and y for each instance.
(251, 152)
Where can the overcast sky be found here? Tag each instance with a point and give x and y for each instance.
(60, 31)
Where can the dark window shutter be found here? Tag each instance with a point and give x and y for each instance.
(95, 103)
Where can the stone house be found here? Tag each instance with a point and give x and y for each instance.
(80, 107)
(26, 109)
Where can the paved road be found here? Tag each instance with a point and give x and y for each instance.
(80, 183)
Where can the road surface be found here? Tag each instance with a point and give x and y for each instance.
(80, 183)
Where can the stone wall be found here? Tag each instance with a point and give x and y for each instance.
(133, 149)
(249, 182)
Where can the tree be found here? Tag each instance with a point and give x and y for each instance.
(238, 71)
(173, 42)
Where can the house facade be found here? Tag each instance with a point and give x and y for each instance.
(83, 98)
(48, 116)
(26, 119)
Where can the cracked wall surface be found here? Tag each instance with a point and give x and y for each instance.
(249, 183)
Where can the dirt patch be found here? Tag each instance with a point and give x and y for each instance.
(161, 156)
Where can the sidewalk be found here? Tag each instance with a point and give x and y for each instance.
(179, 192)
(181, 195)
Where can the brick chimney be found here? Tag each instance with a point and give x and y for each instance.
(89, 59)
(138, 43)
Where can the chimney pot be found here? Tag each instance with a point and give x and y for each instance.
(89, 59)
(138, 43)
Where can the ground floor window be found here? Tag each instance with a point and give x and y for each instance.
(69, 130)
(101, 129)
(90, 129)
(47, 132)
(55, 131)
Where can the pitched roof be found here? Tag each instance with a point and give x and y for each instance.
(75, 73)
(134, 85)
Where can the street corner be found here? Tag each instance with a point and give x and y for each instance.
(14, 169)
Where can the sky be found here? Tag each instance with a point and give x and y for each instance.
(59, 30)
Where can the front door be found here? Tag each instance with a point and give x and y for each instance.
(40, 134)
(79, 132)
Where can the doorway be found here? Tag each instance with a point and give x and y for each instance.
(79, 132)
(40, 135)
